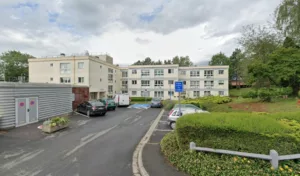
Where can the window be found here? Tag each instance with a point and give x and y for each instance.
(170, 71)
(208, 73)
(208, 84)
(124, 83)
(195, 84)
(100, 66)
(110, 70)
(159, 83)
(184, 82)
(221, 72)
(221, 82)
(65, 68)
(145, 72)
(80, 65)
(207, 93)
(110, 78)
(51, 65)
(100, 79)
(221, 93)
(134, 82)
(145, 93)
(171, 93)
(133, 93)
(125, 74)
(182, 72)
(51, 79)
(134, 72)
(145, 83)
(124, 91)
(195, 73)
(80, 79)
(196, 93)
(65, 80)
(158, 72)
(110, 89)
(170, 82)
(159, 94)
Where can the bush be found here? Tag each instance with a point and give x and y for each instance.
(57, 121)
(299, 94)
(140, 98)
(198, 163)
(169, 104)
(209, 99)
(266, 95)
(246, 132)
(250, 94)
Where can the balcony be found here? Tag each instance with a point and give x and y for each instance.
(209, 76)
(208, 86)
(124, 87)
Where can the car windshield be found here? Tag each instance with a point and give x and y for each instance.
(96, 103)
(155, 99)
(111, 100)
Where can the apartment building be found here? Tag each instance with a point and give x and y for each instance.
(158, 81)
(96, 72)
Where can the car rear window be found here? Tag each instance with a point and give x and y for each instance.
(111, 101)
(97, 103)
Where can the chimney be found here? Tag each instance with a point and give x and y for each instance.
(62, 54)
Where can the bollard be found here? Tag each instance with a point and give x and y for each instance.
(192, 145)
(274, 159)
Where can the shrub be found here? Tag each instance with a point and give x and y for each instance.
(266, 95)
(247, 132)
(250, 94)
(169, 104)
(209, 99)
(140, 98)
(299, 94)
(57, 121)
(199, 163)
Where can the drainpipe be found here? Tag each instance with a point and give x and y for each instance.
(74, 69)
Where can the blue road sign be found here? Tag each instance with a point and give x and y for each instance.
(178, 86)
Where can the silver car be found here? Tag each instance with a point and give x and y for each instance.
(174, 114)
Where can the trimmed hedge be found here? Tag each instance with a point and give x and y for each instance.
(140, 98)
(200, 163)
(246, 132)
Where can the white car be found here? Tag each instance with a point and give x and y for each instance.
(174, 114)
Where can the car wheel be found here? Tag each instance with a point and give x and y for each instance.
(173, 125)
(88, 113)
(114, 109)
(104, 114)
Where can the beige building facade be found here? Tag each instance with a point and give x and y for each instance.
(96, 72)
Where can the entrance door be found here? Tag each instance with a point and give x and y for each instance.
(26, 110)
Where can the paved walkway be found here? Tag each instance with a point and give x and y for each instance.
(153, 159)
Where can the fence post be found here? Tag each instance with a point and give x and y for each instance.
(274, 158)
(192, 145)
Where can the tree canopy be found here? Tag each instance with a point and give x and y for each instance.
(14, 64)
(181, 61)
(219, 59)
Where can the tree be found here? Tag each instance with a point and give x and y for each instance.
(219, 59)
(182, 61)
(289, 43)
(167, 62)
(235, 61)
(14, 64)
(287, 18)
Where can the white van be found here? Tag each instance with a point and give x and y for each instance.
(122, 99)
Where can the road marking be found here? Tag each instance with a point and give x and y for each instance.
(86, 137)
(127, 119)
(89, 140)
(137, 161)
(81, 114)
(163, 130)
(13, 154)
(136, 119)
(82, 122)
(23, 158)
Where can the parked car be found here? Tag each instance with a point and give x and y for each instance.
(122, 99)
(109, 103)
(156, 103)
(174, 114)
(186, 106)
(92, 108)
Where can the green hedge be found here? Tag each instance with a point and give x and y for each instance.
(247, 132)
(169, 104)
(205, 164)
(140, 98)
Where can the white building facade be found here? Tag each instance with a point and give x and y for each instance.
(159, 81)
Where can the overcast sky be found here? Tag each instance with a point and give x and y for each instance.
(129, 30)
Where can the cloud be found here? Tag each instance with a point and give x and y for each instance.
(142, 41)
(129, 29)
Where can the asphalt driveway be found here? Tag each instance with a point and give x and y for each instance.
(91, 146)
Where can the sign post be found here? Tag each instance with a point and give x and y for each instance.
(145, 95)
(179, 89)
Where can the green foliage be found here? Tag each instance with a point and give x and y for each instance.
(266, 95)
(140, 98)
(198, 163)
(14, 64)
(181, 61)
(169, 104)
(299, 94)
(200, 102)
(219, 59)
(57, 121)
(246, 132)
(250, 94)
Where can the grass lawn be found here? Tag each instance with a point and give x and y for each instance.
(254, 105)
(238, 92)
